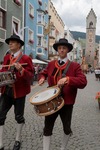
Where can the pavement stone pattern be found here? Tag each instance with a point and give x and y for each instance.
(85, 123)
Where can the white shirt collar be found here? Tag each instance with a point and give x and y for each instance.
(65, 59)
(16, 54)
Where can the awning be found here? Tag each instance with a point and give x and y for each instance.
(36, 61)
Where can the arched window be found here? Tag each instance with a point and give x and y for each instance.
(91, 24)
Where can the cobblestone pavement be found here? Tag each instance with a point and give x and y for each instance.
(85, 123)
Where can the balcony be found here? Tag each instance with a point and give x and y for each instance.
(2, 35)
(3, 4)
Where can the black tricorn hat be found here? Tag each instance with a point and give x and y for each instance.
(14, 37)
(64, 42)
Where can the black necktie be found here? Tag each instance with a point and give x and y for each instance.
(61, 62)
(12, 56)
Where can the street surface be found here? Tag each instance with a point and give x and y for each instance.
(85, 123)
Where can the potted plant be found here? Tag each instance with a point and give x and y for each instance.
(31, 41)
(40, 2)
(31, 16)
(46, 11)
(17, 2)
(46, 48)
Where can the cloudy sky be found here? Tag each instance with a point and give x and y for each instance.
(74, 13)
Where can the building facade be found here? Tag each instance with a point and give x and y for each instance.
(11, 21)
(55, 29)
(36, 17)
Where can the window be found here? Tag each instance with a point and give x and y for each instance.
(45, 43)
(39, 41)
(2, 18)
(30, 36)
(40, 18)
(91, 24)
(52, 34)
(31, 11)
(18, 2)
(15, 25)
(46, 8)
(40, 30)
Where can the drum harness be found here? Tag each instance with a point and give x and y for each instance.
(63, 75)
(66, 69)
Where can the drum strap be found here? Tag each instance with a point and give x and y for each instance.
(19, 58)
(66, 69)
(64, 74)
(12, 67)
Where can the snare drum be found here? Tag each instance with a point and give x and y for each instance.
(6, 78)
(47, 101)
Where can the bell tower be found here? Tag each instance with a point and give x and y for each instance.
(91, 20)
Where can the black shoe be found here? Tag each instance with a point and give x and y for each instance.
(2, 148)
(17, 145)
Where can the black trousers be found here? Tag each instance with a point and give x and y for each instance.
(65, 114)
(6, 103)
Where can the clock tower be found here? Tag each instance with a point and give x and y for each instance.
(91, 20)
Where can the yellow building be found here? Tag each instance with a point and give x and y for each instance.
(55, 29)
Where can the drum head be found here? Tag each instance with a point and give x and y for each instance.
(45, 95)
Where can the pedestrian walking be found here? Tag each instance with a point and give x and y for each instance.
(14, 94)
(96, 74)
(68, 76)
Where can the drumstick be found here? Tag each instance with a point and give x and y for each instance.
(35, 86)
(13, 65)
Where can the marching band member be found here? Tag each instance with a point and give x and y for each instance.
(15, 94)
(69, 83)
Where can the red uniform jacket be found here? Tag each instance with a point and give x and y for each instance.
(76, 79)
(21, 86)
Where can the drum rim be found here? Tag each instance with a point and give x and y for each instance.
(50, 113)
(39, 103)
